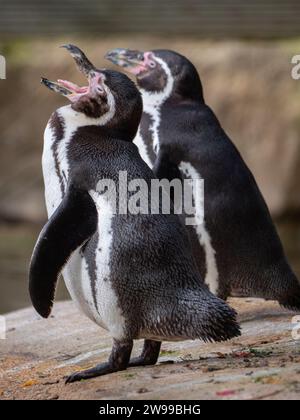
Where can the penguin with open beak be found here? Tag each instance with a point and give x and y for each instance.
(131, 273)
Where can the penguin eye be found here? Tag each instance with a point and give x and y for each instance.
(152, 64)
(100, 89)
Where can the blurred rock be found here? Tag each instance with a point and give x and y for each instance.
(251, 90)
(248, 85)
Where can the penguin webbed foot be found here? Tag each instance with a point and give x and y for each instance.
(99, 370)
(149, 355)
(118, 361)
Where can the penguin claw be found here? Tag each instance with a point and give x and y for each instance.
(74, 377)
(99, 370)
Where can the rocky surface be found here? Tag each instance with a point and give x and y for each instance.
(248, 84)
(262, 364)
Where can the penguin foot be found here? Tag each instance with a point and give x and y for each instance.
(118, 361)
(149, 354)
(99, 370)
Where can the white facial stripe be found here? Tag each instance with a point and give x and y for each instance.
(111, 104)
(138, 141)
(77, 119)
(154, 128)
(154, 100)
(53, 195)
(212, 274)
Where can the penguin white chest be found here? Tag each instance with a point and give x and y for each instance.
(55, 169)
(152, 103)
(109, 314)
(93, 294)
(88, 277)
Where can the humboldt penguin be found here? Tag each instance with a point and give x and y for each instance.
(237, 248)
(131, 273)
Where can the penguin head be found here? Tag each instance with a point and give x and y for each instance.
(161, 72)
(110, 98)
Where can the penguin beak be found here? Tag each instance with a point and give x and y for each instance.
(56, 87)
(82, 62)
(66, 88)
(131, 60)
(69, 89)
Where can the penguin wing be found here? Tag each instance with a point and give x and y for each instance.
(70, 226)
(164, 168)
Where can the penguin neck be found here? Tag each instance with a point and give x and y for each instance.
(182, 95)
(101, 127)
(153, 102)
(74, 119)
(155, 99)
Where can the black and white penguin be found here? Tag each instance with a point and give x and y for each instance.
(237, 249)
(132, 274)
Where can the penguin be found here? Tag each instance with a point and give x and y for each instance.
(237, 248)
(132, 274)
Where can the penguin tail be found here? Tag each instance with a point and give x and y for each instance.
(290, 295)
(282, 284)
(210, 318)
(197, 314)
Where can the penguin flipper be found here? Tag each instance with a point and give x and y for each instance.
(164, 168)
(72, 224)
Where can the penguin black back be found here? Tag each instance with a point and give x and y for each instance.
(242, 253)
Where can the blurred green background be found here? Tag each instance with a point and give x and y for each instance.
(242, 50)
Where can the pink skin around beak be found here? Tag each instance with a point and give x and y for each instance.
(73, 92)
(143, 66)
(135, 62)
(71, 86)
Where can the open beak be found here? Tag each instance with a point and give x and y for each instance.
(83, 63)
(131, 60)
(69, 89)
(56, 87)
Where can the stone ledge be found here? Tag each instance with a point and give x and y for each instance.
(262, 364)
